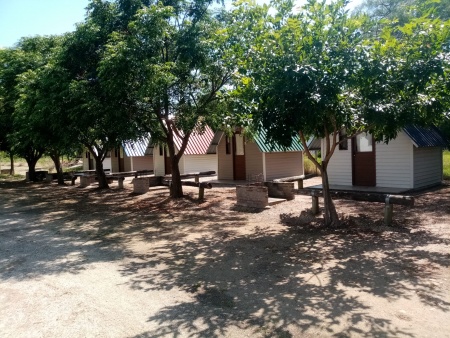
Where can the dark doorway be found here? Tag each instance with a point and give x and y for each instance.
(90, 162)
(363, 164)
(239, 157)
(121, 160)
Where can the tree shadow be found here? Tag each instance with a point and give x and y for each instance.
(283, 283)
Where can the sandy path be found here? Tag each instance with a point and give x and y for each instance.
(83, 263)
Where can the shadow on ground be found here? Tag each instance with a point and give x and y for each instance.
(272, 283)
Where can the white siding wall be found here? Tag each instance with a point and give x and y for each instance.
(340, 165)
(158, 162)
(224, 162)
(142, 162)
(253, 160)
(114, 162)
(279, 165)
(395, 163)
(181, 164)
(85, 161)
(127, 163)
(427, 166)
(196, 163)
(107, 163)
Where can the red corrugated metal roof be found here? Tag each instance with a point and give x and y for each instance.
(198, 143)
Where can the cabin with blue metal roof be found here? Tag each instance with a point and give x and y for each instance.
(413, 160)
(131, 156)
(257, 159)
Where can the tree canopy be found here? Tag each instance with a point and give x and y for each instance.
(320, 72)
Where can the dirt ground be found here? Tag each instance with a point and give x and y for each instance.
(88, 263)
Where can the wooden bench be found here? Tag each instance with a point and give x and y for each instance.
(299, 179)
(201, 185)
(120, 176)
(85, 173)
(195, 175)
(387, 199)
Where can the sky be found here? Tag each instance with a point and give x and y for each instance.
(20, 18)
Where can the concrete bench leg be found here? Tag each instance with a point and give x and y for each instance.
(120, 180)
(388, 212)
(315, 205)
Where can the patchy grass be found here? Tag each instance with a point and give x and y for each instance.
(7, 177)
(446, 164)
(310, 168)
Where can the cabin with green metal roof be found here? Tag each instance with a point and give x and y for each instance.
(256, 159)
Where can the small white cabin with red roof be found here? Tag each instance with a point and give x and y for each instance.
(197, 157)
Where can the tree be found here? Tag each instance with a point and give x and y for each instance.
(11, 65)
(167, 65)
(315, 73)
(28, 55)
(99, 123)
(43, 93)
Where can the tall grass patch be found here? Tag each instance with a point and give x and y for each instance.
(447, 165)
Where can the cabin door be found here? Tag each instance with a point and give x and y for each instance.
(363, 163)
(239, 157)
(167, 163)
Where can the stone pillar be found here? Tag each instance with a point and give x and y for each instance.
(140, 185)
(86, 181)
(252, 196)
(281, 190)
(120, 180)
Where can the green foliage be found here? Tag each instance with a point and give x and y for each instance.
(446, 159)
(167, 66)
(320, 70)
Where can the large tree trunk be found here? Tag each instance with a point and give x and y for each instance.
(176, 188)
(31, 161)
(102, 181)
(57, 162)
(11, 161)
(330, 214)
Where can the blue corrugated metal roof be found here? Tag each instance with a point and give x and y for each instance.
(136, 148)
(426, 136)
(266, 147)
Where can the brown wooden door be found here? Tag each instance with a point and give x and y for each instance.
(363, 163)
(167, 163)
(121, 160)
(239, 157)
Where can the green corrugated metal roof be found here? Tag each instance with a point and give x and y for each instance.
(266, 147)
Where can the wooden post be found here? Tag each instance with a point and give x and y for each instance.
(388, 211)
(315, 205)
(196, 178)
(201, 193)
(300, 183)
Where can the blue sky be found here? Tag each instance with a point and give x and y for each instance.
(20, 18)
